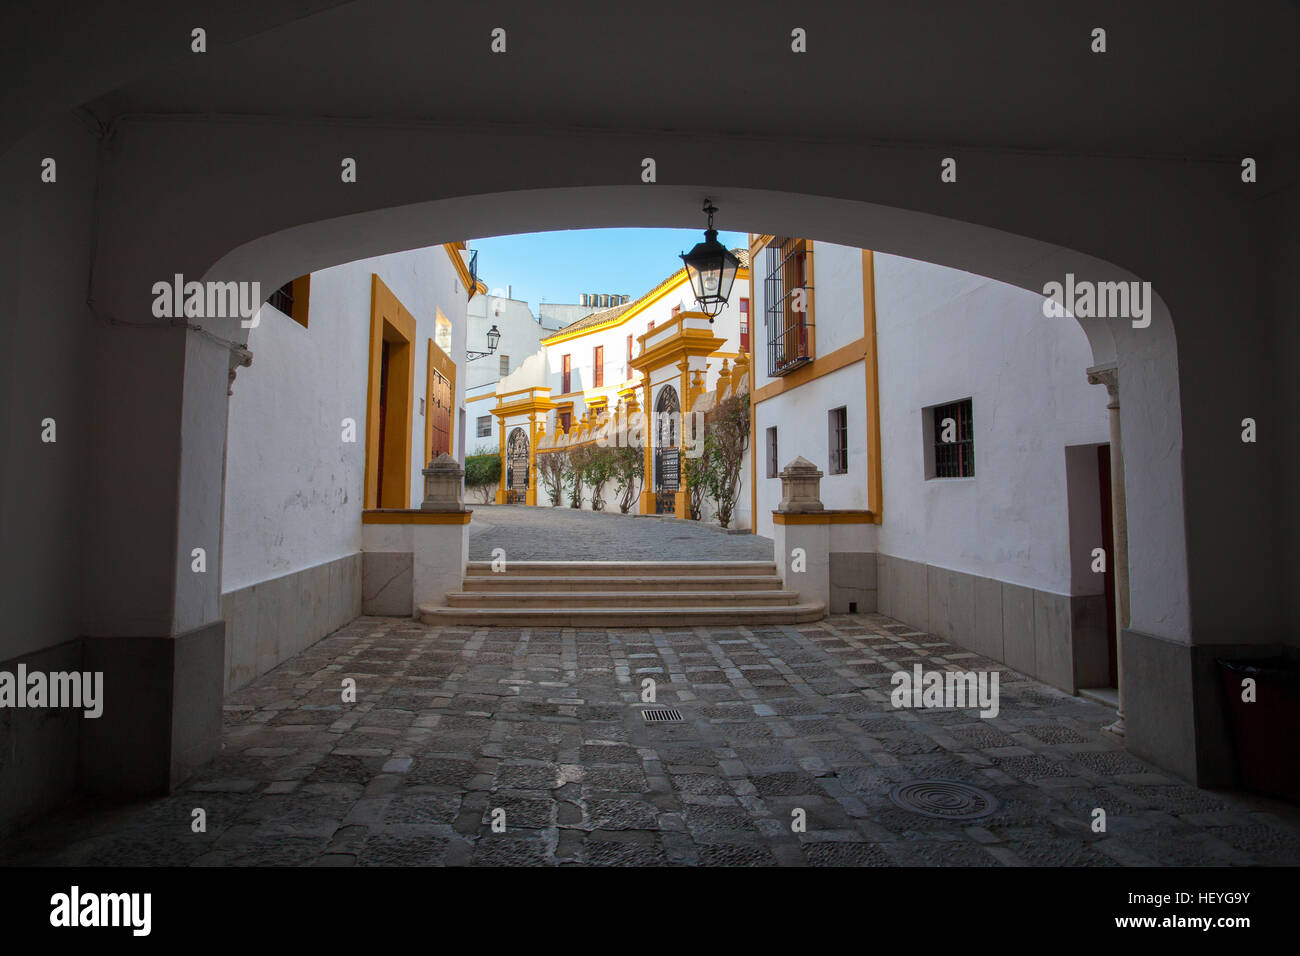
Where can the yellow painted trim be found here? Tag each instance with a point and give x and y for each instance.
(479, 398)
(532, 388)
(300, 289)
(846, 355)
(462, 270)
(824, 517)
(811, 320)
(756, 245)
(875, 484)
(387, 310)
(404, 516)
(635, 308)
(753, 416)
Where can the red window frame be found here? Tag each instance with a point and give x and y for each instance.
(565, 378)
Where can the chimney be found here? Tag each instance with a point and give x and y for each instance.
(508, 295)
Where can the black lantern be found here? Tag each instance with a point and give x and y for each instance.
(711, 267)
(493, 337)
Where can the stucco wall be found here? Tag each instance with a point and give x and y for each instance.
(945, 335)
(294, 489)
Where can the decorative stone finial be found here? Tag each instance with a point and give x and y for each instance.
(801, 487)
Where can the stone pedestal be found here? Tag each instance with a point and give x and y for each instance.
(803, 556)
(800, 487)
(436, 543)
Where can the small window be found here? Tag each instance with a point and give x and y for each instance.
(565, 374)
(292, 299)
(505, 365)
(773, 469)
(598, 366)
(485, 426)
(952, 440)
(838, 428)
(566, 419)
(744, 325)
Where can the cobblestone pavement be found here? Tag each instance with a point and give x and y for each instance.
(568, 534)
(450, 725)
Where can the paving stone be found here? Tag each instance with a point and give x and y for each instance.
(451, 723)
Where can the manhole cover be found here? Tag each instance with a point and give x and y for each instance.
(944, 799)
(661, 715)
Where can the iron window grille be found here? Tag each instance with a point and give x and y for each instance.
(787, 306)
(282, 299)
(838, 421)
(484, 426)
(773, 469)
(956, 458)
(503, 368)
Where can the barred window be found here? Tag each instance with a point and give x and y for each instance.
(484, 426)
(838, 435)
(504, 367)
(953, 440)
(787, 306)
(773, 469)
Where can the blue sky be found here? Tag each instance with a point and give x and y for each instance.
(557, 266)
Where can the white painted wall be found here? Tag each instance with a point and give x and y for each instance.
(945, 335)
(800, 416)
(521, 335)
(294, 490)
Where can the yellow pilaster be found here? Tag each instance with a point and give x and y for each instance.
(682, 501)
(501, 485)
(530, 496)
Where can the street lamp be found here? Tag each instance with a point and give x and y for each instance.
(711, 267)
(493, 337)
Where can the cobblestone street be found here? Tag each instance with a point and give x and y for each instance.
(450, 725)
(570, 534)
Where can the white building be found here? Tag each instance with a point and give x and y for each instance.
(586, 369)
(985, 538)
(347, 398)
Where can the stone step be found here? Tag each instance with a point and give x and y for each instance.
(635, 617)
(661, 582)
(679, 569)
(618, 598)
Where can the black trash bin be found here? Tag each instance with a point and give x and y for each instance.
(1266, 732)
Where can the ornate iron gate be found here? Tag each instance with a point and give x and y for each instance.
(517, 467)
(667, 458)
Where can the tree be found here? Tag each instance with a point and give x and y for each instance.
(699, 476)
(727, 429)
(628, 465)
(483, 472)
(573, 476)
(597, 471)
(551, 469)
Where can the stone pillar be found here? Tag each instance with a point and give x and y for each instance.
(501, 484)
(801, 540)
(1108, 375)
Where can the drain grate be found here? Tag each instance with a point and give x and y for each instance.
(944, 799)
(661, 715)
